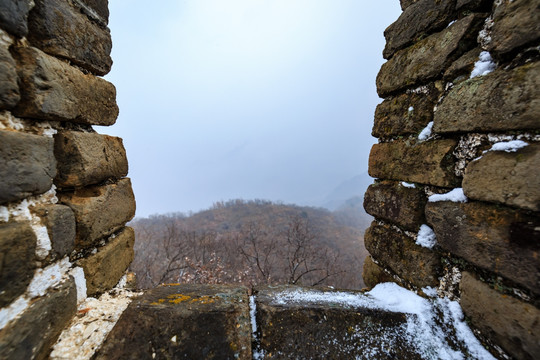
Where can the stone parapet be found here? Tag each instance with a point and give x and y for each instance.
(457, 163)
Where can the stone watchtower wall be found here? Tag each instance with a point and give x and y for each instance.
(437, 127)
(64, 197)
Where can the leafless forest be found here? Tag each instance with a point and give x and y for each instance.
(251, 243)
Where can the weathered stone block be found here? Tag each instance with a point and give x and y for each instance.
(396, 203)
(53, 90)
(516, 25)
(404, 114)
(373, 274)
(511, 323)
(183, 322)
(414, 263)
(100, 210)
(429, 162)
(62, 30)
(428, 58)
(32, 335)
(310, 330)
(498, 239)
(104, 269)
(13, 16)
(406, 3)
(9, 90)
(17, 255)
(27, 165)
(100, 7)
(506, 178)
(463, 66)
(88, 158)
(418, 20)
(502, 100)
(60, 223)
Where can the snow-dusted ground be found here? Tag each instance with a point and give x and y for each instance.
(435, 327)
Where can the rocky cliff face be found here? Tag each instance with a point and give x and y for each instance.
(64, 198)
(461, 116)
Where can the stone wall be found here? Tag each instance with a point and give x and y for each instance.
(64, 197)
(461, 116)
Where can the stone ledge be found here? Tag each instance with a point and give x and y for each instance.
(183, 321)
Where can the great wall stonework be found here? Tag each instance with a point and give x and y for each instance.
(64, 198)
(460, 115)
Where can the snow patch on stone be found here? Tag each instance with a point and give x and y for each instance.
(422, 331)
(407, 185)
(508, 146)
(426, 237)
(484, 65)
(426, 132)
(455, 195)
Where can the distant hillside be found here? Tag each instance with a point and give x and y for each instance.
(351, 188)
(226, 230)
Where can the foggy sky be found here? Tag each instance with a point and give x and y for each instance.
(224, 99)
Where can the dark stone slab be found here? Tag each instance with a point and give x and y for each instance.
(461, 68)
(60, 223)
(32, 335)
(17, 260)
(100, 7)
(183, 322)
(430, 162)
(405, 114)
(27, 165)
(62, 30)
(498, 239)
(418, 265)
(308, 330)
(13, 16)
(417, 21)
(53, 90)
(396, 203)
(516, 24)
(506, 178)
(100, 210)
(427, 59)
(88, 158)
(499, 101)
(9, 89)
(511, 323)
(104, 269)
